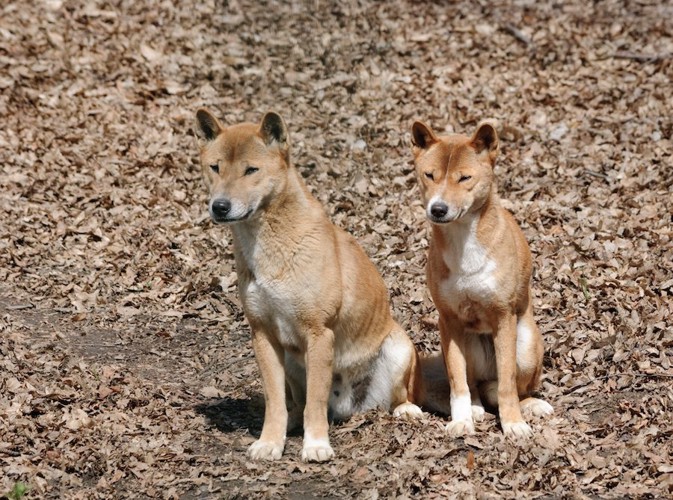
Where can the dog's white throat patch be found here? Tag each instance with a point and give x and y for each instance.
(471, 268)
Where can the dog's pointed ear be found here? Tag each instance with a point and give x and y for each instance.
(274, 131)
(207, 126)
(485, 140)
(422, 136)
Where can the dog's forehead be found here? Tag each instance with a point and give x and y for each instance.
(451, 151)
(235, 144)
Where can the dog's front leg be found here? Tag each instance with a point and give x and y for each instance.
(504, 341)
(319, 358)
(270, 359)
(452, 335)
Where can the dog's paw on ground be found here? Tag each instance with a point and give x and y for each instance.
(458, 428)
(407, 411)
(536, 407)
(316, 450)
(517, 430)
(478, 412)
(265, 450)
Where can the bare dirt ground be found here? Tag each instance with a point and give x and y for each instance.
(125, 362)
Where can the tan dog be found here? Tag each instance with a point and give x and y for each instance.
(317, 307)
(479, 273)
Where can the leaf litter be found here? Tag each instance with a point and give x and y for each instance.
(125, 360)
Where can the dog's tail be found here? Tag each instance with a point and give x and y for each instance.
(436, 394)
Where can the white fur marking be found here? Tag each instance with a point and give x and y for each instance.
(385, 371)
(478, 411)
(461, 407)
(264, 450)
(408, 411)
(270, 301)
(517, 430)
(524, 339)
(316, 450)
(537, 407)
(392, 360)
(472, 270)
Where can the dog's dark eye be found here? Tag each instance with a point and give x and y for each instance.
(250, 170)
(429, 175)
(215, 168)
(464, 178)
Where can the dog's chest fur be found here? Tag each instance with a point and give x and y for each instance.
(471, 279)
(272, 290)
(271, 304)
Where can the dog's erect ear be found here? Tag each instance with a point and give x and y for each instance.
(207, 126)
(273, 130)
(485, 140)
(422, 136)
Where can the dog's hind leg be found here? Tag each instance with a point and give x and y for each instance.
(407, 392)
(529, 353)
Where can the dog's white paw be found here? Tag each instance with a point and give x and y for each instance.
(316, 450)
(265, 450)
(478, 413)
(458, 428)
(407, 411)
(536, 407)
(517, 430)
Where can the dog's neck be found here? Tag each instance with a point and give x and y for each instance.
(465, 242)
(274, 234)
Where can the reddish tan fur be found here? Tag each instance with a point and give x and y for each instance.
(479, 273)
(317, 307)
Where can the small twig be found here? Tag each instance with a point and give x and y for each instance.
(615, 375)
(19, 307)
(517, 33)
(595, 174)
(644, 58)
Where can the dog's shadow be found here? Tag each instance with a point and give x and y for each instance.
(231, 415)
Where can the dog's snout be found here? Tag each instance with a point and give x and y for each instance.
(221, 207)
(439, 209)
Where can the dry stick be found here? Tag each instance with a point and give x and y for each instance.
(19, 307)
(642, 57)
(596, 174)
(582, 385)
(517, 33)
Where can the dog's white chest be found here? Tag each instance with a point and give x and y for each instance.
(472, 273)
(269, 297)
(271, 304)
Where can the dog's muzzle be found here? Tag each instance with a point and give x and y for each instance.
(223, 211)
(440, 212)
(220, 209)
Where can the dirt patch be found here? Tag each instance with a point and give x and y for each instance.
(125, 361)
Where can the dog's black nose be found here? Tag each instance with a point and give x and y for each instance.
(221, 208)
(439, 209)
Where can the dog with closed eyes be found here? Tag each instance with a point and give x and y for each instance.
(479, 274)
(318, 309)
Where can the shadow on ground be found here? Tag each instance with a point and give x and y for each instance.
(230, 415)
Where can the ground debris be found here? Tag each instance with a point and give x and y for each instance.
(125, 362)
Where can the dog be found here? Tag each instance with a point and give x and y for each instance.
(317, 307)
(479, 275)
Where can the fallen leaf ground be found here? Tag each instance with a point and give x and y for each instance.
(125, 362)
